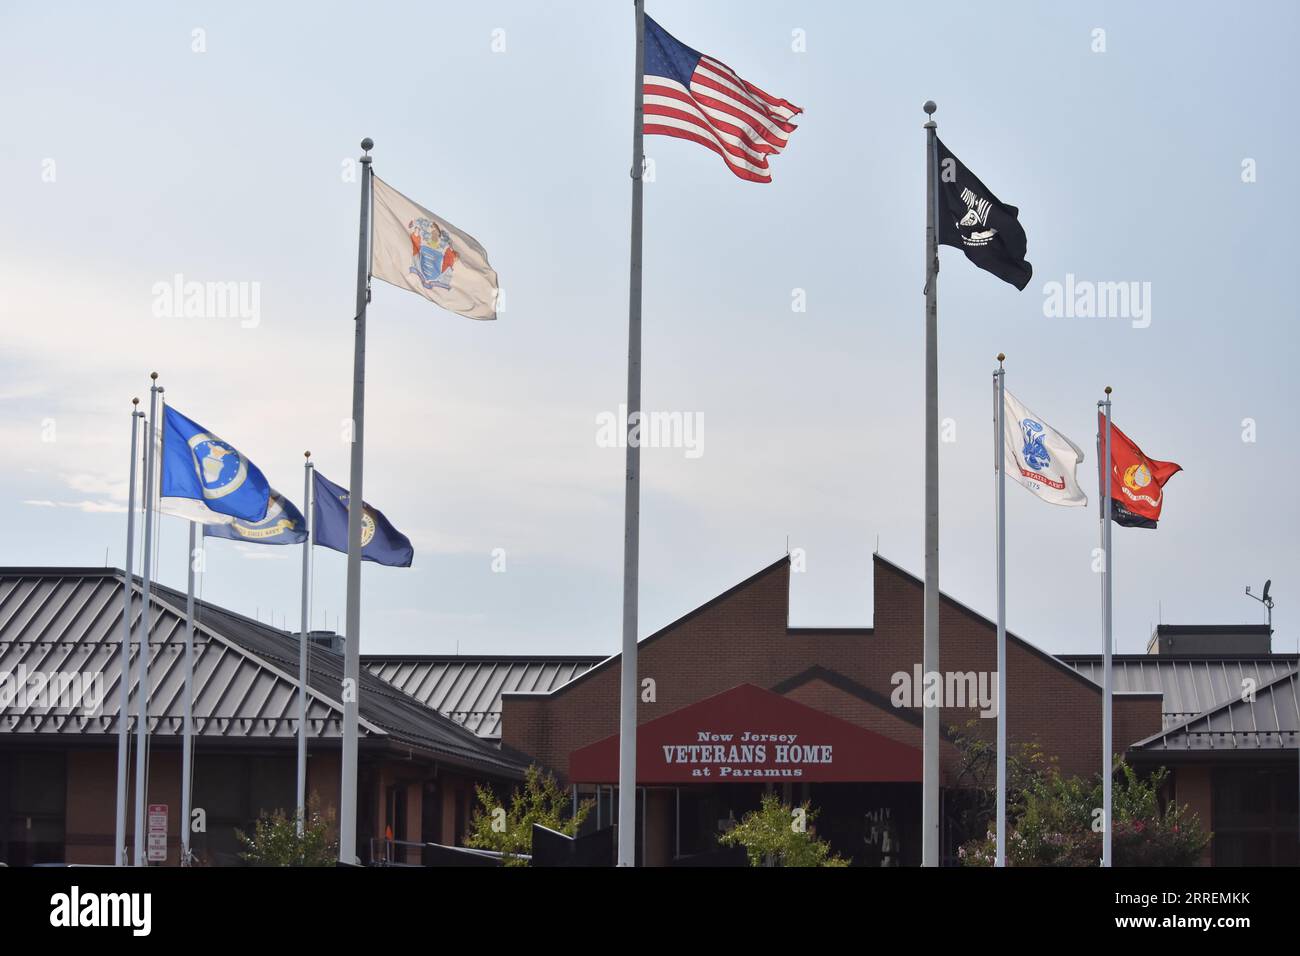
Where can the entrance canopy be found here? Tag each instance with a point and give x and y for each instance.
(747, 735)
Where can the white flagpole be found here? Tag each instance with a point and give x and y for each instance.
(1001, 378)
(930, 650)
(305, 628)
(1106, 609)
(632, 499)
(124, 705)
(187, 740)
(142, 678)
(352, 634)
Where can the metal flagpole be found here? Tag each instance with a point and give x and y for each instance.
(1001, 376)
(142, 678)
(302, 647)
(930, 652)
(124, 707)
(1107, 681)
(352, 635)
(187, 751)
(632, 499)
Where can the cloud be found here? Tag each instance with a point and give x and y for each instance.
(265, 552)
(93, 484)
(87, 507)
(95, 507)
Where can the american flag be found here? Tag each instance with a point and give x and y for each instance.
(695, 97)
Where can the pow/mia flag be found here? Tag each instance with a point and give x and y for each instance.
(973, 220)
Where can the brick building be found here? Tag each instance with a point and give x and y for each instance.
(58, 753)
(736, 666)
(735, 702)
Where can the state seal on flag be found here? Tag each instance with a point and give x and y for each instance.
(432, 257)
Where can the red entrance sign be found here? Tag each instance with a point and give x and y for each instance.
(747, 735)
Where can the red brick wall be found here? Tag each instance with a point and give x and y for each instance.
(743, 637)
(1193, 785)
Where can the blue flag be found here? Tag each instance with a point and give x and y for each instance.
(380, 541)
(283, 524)
(197, 464)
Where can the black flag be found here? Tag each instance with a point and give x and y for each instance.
(973, 220)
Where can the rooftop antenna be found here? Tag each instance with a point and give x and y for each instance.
(1265, 600)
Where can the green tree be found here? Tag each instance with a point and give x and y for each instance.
(779, 834)
(509, 829)
(275, 840)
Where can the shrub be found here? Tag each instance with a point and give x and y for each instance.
(275, 840)
(778, 835)
(509, 829)
(1053, 820)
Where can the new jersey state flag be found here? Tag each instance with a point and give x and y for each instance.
(283, 524)
(196, 464)
(417, 250)
(380, 541)
(1137, 482)
(1040, 457)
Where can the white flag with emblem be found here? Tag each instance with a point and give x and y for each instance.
(1040, 457)
(414, 249)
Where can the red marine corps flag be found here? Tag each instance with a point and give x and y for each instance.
(1137, 482)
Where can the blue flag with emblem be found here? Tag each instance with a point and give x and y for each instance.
(197, 464)
(283, 524)
(380, 541)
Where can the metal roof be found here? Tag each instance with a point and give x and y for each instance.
(1191, 685)
(68, 622)
(468, 690)
(1268, 720)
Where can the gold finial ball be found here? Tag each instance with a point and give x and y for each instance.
(1002, 356)
(1107, 389)
(306, 454)
(153, 375)
(135, 401)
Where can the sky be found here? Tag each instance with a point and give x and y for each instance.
(1147, 143)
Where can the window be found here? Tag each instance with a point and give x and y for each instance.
(33, 798)
(1254, 814)
(233, 790)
